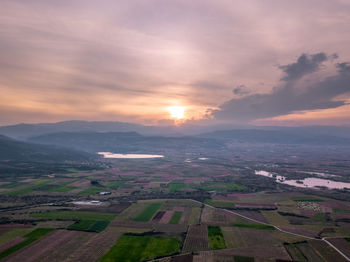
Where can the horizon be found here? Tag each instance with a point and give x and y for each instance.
(181, 125)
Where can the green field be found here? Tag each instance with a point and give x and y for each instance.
(89, 225)
(116, 184)
(74, 215)
(62, 189)
(341, 210)
(175, 219)
(320, 217)
(140, 248)
(37, 185)
(219, 203)
(91, 191)
(30, 237)
(221, 186)
(253, 226)
(295, 253)
(146, 214)
(173, 187)
(22, 191)
(216, 238)
(13, 233)
(12, 185)
(243, 259)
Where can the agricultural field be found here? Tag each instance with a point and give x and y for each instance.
(147, 214)
(313, 250)
(224, 204)
(254, 226)
(89, 225)
(27, 239)
(216, 238)
(175, 219)
(141, 248)
(163, 211)
(173, 187)
(196, 239)
(74, 215)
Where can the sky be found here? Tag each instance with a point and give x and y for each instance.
(271, 62)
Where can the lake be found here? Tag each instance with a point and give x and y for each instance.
(310, 182)
(128, 156)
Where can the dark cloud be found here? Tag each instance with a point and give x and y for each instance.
(291, 96)
(241, 90)
(304, 65)
(343, 68)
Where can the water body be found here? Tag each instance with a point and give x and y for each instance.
(128, 156)
(310, 182)
(318, 174)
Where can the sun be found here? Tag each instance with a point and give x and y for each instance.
(177, 112)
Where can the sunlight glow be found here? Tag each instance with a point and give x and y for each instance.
(177, 112)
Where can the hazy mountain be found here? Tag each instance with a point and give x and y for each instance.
(251, 133)
(12, 150)
(124, 142)
(23, 131)
(281, 136)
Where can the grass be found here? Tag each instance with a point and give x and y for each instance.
(91, 191)
(131, 248)
(219, 203)
(254, 226)
(89, 225)
(75, 215)
(30, 237)
(116, 184)
(147, 213)
(347, 239)
(175, 219)
(216, 238)
(173, 187)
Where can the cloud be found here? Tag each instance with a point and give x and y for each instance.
(292, 95)
(305, 64)
(123, 59)
(343, 68)
(241, 90)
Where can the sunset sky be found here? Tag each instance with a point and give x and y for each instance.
(271, 62)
